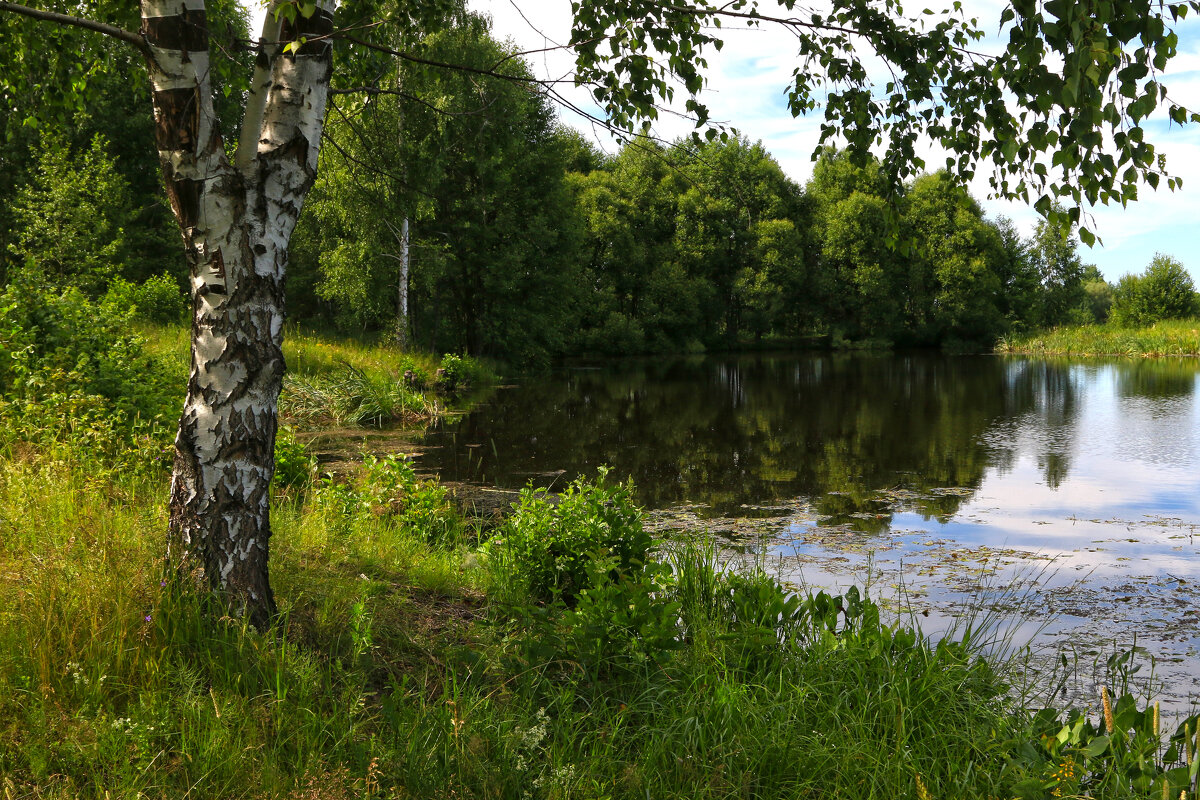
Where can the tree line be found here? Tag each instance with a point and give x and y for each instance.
(523, 241)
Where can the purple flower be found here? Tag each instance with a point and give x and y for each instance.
(147, 618)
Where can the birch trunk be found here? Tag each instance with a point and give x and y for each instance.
(236, 220)
(402, 287)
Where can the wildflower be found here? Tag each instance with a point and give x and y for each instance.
(1064, 773)
(1110, 724)
(147, 618)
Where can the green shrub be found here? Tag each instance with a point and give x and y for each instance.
(388, 487)
(1164, 291)
(457, 373)
(73, 217)
(295, 466)
(157, 299)
(71, 373)
(620, 622)
(545, 549)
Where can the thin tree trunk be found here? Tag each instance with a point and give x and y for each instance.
(402, 323)
(236, 221)
(402, 287)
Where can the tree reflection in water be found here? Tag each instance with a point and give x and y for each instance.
(844, 432)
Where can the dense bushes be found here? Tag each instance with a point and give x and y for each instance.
(1163, 291)
(547, 548)
(71, 371)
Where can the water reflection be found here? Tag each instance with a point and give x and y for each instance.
(934, 472)
(757, 430)
(844, 432)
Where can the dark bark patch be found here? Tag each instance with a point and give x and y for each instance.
(296, 149)
(318, 25)
(177, 118)
(184, 195)
(218, 266)
(187, 31)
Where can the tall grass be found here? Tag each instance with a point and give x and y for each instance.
(343, 381)
(1166, 338)
(354, 396)
(393, 674)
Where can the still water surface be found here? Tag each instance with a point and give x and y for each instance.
(943, 480)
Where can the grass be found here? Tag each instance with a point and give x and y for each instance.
(340, 381)
(563, 658)
(407, 664)
(1166, 338)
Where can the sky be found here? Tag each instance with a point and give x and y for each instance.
(745, 89)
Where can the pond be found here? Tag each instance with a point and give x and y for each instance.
(1064, 493)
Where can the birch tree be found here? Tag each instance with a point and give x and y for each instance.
(235, 215)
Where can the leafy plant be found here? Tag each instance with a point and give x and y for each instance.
(545, 549)
(460, 372)
(295, 466)
(389, 488)
(71, 373)
(157, 299)
(1120, 754)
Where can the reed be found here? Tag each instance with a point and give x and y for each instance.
(1167, 338)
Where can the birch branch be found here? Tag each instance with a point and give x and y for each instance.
(129, 37)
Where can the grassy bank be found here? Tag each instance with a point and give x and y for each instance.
(340, 380)
(412, 662)
(1167, 338)
(568, 655)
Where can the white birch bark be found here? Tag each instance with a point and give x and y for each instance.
(402, 241)
(236, 220)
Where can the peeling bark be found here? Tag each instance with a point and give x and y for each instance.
(235, 220)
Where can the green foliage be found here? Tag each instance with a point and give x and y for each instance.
(71, 372)
(621, 622)
(1164, 291)
(458, 373)
(354, 395)
(295, 466)
(157, 299)
(1166, 338)
(690, 247)
(1039, 115)
(1052, 252)
(477, 165)
(388, 488)
(1125, 752)
(1099, 296)
(692, 682)
(72, 218)
(546, 548)
(954, 272)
